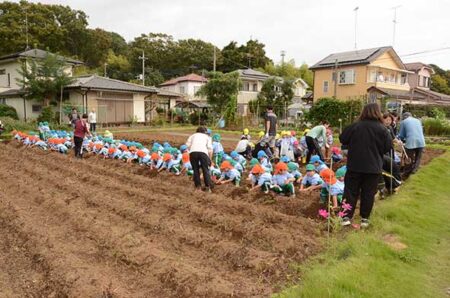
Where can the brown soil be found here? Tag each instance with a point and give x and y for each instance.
(102, 228)
(393, 242)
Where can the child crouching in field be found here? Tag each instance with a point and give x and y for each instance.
(229, 174)
(318, 163)
(333, 187)
(282, 181)
(217, 149)
(171, 164)
(312, 180)
(293, 170)
(260, 179)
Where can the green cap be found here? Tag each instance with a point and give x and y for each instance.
(340, 172)
(253, 162)
(292, 166)
(310, 167)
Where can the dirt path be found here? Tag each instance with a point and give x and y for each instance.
(101, 228)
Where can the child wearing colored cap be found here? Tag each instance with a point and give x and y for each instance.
(282, 180)
(156, 161)
(217, 149)
(246, 134)
(238, 158)
(243, 147)
(312, 180)
(318, 163)
(332, 186)
(171, 164)
(336, 154)
(293, 169)
(264, 161)
(185, 160)
(229, 174)
(260, 179)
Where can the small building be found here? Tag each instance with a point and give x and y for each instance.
(420, 76)
(300, 88)
(252, 82)
(187, 85)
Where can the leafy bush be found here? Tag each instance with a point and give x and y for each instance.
(8, 111)
(420, 111)
(47, 114)
(194, 118)
(436, 127)
(13, 124)
(332, 110)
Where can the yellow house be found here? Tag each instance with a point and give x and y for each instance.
(362, 74)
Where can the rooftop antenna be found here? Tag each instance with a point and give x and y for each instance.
(395, 23)
(356, 22)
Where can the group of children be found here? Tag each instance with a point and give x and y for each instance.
(281, 175)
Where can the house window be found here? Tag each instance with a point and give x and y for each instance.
(246, 86)
(325, 86)
(255, 87)
(380, 77)
(3, 101)
(347, 77)
(9, 80)
(403, 79)
(2, 71)
(426, 81)
(182, 90)
(36, 108)
(373, 76)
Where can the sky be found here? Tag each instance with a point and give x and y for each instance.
(306, 30)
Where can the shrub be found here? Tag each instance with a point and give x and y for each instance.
(47, 115)
(194, 118)
(420, 111)
(334, 109)
(436, 127)
(13, 124)
(8, 111)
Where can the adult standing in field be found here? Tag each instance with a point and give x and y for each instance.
(270, 126)
(367, 141)
(312, 140)
(200, 155)
(80, 131)
(411, 132)
(93, 120)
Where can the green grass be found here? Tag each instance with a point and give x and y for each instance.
(363, 265)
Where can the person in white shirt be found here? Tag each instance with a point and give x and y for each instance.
(200, 155)
(93, 120)
(243, 147)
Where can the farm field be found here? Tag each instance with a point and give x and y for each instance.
(102, 228)
(94, 227)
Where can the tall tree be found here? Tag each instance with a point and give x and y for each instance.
(44, 79)
(289, 71)
(275, 92)
(252, 55)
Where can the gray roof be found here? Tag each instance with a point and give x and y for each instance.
(12, 92)
(253, 74)
(364, 56)
(193, 104)
(102, 83)
(394, 93)
(168, 93)
(416, 66)
(37, 53)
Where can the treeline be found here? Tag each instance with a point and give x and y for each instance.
(440, 80)
(61, 29)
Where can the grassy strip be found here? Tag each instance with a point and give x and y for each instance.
(404, 254)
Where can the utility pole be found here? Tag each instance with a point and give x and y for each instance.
(104, 71)
(335, 78)
(143, 66)
(26, 28)
(356, 22)
(249, 56)
(395, 23)
(214, 60)
(283, 53)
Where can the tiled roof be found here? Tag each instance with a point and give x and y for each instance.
(364, 56)
(37, 53)
(12, 92)
(190, 78)
(415, 66)
(251, 73)
(97, 82)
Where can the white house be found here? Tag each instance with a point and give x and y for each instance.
(252, 82)
(187, 85)
(115, 101)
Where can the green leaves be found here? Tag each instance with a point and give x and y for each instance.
(334, 109)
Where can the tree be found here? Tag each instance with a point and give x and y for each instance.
(43, 80)
(289, 71)
(439, 84)
(275, 92)
(252, 55)
(221, 91)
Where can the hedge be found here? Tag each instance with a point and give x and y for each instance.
(8, 111)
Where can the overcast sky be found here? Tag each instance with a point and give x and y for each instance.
(306, 30)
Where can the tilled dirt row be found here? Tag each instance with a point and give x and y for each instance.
(95, 228)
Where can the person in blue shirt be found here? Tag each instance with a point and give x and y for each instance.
(217, 149)
(229, 174)
(293, 169)
(260, 179)
(332, 187)
(282, 181)
(318, 163)
(411, 132)
(311, 180)
(264, 161)
(238, 158)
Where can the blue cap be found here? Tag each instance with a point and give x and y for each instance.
(183, 148)
(315, 158)
(261, 154)
(285, 159)
(234, 154)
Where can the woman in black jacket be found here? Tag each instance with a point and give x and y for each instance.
(367, 141)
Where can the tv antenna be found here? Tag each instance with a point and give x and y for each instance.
(395, 23)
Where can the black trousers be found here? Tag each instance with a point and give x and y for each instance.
(361, 185)
(78, 146)
(313, 148)
(415, 155)
(93, 127)
(200, 160)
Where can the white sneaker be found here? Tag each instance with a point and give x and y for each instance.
(345, 222)
(364, 223)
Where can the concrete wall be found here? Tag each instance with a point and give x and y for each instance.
(18, 104)
(139, 106)
(10, 68)
(190, 88)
